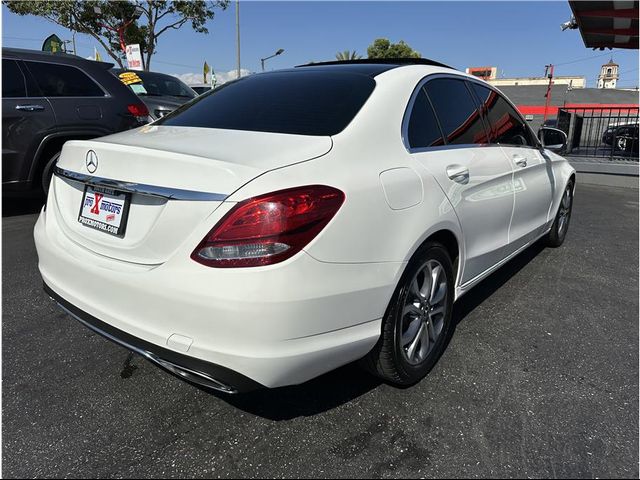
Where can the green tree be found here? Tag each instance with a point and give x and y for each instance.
(383, 48)
(348, 55)
(157, 17)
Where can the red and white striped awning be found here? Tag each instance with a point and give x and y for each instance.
(607, 24)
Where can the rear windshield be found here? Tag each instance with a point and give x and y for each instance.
(155, 84)
(300, 102)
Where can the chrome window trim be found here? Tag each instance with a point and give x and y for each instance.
(141, 188)
(32, 98)
(409, 108)
(450, 147)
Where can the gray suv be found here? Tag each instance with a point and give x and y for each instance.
(161, 93)
(48, 99)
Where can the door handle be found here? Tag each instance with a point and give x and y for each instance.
(30, 108)
(520, 160)
(458, 174)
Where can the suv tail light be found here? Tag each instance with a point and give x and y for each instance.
(270, 228)
(139, 110)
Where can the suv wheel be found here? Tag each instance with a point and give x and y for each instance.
(47, 173)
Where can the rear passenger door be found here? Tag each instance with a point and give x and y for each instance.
(77, 99)
(533, 179)
(26, 119)
(446, 134)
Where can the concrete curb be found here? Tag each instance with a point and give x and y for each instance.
(631, 169)
(623, 181)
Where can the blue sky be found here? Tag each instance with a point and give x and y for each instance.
(517, 37)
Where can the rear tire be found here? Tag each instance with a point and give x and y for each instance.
(621, 144)
(560, 226)
(417, 324)
(47, 172)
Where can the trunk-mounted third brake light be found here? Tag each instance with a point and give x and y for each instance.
(270, 228)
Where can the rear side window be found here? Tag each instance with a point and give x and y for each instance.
(13, 84)
(507, 127)
(57, 80)
(459, 118)
(423, 130)
(299, 102)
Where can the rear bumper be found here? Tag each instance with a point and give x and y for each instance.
(243, 328)
(189, 368)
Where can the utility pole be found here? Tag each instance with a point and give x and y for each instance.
(548, 72)
(73, 36)
(238, 34)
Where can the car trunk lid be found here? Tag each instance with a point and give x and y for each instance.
(176, 178)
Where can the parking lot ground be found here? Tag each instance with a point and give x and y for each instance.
(540, 380)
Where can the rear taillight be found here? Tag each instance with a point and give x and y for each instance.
(270, 228)
(139, 110)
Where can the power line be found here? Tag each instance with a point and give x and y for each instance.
(26, 39)
(89, 45)
(582, 59)
(40, 40)
(174, 64)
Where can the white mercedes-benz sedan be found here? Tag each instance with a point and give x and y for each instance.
(291, 222)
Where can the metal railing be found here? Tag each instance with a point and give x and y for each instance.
(601, 132)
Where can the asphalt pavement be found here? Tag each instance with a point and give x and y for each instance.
(540, 380)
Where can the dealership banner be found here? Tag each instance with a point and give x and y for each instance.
(134, 57)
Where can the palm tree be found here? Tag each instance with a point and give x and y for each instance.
(348, 55)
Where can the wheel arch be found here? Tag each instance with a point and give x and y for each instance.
(53, 143)
(450, 237)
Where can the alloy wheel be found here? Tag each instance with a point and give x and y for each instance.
(424, 312)
(565, 211)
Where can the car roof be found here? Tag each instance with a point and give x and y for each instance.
(59, 57)
(371, 67)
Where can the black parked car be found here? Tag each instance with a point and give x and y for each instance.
(623, 138)
(162, 93)
(626, 139)
(48, 99)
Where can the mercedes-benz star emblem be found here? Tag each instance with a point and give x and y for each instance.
(92, 161)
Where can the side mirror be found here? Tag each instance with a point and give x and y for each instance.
(553, 139)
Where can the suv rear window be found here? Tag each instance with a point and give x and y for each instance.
(154, 84)
(56, 80)
(301, 102)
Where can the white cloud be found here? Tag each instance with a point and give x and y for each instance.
(221, 77)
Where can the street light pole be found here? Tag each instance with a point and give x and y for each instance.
(279, 52)
(238, 34)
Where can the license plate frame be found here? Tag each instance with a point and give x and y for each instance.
(99, 225)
